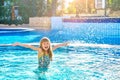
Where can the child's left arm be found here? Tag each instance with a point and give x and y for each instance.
(60, 45)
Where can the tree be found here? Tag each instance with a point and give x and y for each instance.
(54, 6)
(60, 9)
(41, 7)
(1, 7)
(49, 8)
(72, 8)
(114, 4)
(5, 11)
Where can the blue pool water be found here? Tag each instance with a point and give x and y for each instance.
(93, 53)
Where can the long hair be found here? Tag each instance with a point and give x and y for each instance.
(50, 53)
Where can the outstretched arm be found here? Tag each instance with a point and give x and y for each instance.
(25, 45)
(60, 45)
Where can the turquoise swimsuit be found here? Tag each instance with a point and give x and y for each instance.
(44, 61)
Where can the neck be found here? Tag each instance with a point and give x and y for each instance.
(45, 51)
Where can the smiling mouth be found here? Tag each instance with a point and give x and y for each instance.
(46, 47)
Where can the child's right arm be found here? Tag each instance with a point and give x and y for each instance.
(26, 46)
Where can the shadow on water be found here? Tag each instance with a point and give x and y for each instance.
(40, 73)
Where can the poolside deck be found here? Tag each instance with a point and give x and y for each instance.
(14, 26)
(22, 26)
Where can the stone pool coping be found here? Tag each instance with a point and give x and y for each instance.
(92, 19)
(22, 26)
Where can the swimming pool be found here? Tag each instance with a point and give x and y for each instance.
(93, 53)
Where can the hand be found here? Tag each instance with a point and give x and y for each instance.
(66, 43)
(16, 44)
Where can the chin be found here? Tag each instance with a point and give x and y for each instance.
(45, 49)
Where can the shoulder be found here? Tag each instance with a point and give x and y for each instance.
(40, 53)
(39, 50)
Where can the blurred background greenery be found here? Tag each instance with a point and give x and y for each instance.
(19, 11)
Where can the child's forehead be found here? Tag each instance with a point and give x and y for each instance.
(45, 42)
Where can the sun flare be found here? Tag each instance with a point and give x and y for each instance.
(67, 2)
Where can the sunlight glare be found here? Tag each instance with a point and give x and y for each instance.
(67, 2)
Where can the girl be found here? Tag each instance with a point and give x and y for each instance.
(45, 49)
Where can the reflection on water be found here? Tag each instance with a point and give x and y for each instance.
(40, 73)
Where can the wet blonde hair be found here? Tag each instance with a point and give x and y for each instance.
(50, 53)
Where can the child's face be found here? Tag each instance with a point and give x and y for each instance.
(45, 45)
